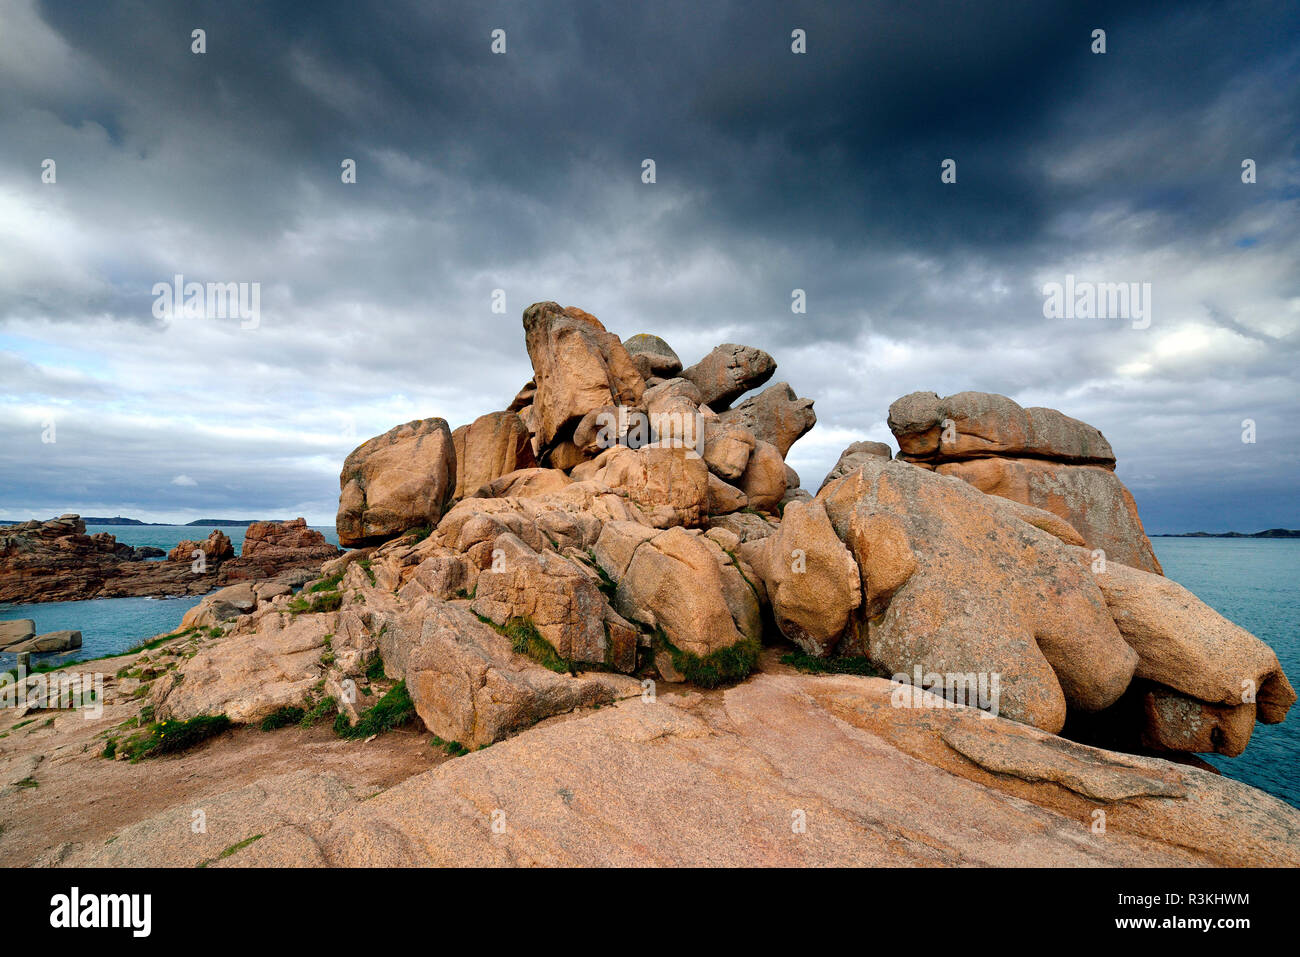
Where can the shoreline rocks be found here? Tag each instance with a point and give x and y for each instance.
(547, 560)
(48, 643)
(57, 561)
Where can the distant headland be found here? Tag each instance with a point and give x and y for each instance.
(119, 520)
(1267, 533)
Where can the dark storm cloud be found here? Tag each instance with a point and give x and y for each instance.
(521, 172)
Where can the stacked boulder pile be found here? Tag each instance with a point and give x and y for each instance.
(1036, 456)
(628, 519)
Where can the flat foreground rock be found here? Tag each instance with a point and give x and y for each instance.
(784, 769)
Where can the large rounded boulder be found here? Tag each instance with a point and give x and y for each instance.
(397, 481)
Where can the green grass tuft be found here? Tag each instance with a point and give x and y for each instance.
(837, 665)
(172, 737)
(283, 717)
(454, 748)
(320, 710)
(391, 711)
(232, 849)
(324, 601)
(176, 736)
(236, 848)
(525, 639)
(608, 587)
(366, 567)
(724, 666)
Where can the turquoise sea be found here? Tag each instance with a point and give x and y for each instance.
(1254, 582)
(110, 625)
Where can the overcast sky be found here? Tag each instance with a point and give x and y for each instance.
(523, 172)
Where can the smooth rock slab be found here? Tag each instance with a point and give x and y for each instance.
(676, 782)
(47, 643)
(12, 632)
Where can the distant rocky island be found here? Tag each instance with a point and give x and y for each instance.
(119, 520)
(55, 560)
(1267, 533)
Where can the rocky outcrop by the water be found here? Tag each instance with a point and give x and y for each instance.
(1036, 456)
(19, 636)
(663, 545)
(214, 549)
(272, 548)
(50, 642)
(661, 538)
(57, 561)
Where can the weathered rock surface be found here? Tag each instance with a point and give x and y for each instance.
(764, 479)
(669, 485)
(1036, 456)
(955, 585)
(52, 641)
(812, 581)
(250, 675)
(984, 423)
(222, 605)
(724, 497)
(1090, 498)
(652, 356)
(728, 372)
(578, 366)
(19, 629)
(854, 456)
(274, 538)
(869, 783)
(727, 448)
(673, 581)
(872, 785)
(271, 549)
(556, 597)
(1216, 678)
(396, 481)
(776, 415)
(215, 548)
(469, 686)
(491, 446)
(677, 395)
(523, 483)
